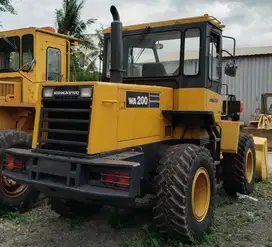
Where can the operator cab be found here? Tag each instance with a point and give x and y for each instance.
(184, 53)
(20, 50)
(266, 107)
(31, 55)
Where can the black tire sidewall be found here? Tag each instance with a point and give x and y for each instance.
(250, 146)
(200, 227)
(234, 168)
(13, 138)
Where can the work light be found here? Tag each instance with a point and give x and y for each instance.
(85, 92)
(48, 92)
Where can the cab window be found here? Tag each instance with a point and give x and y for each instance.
(191, 52)
(53, 64)
(150, 55)
(27, 48)
(269, 104)
(153, 55)
(9, 54)
(214, 59)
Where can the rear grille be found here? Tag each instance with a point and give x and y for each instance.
(64, 123)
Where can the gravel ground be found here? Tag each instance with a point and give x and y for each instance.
(240, 222)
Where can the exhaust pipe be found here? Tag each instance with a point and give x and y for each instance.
(116, 47)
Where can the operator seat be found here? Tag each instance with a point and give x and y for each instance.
(153, 70)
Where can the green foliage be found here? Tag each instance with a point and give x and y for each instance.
(69, 22)
(17, 217)
(82, 74)
(85, 75)
(68, 18)
(6, 6)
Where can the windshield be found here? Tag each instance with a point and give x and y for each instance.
(9, 54)
(151, 54)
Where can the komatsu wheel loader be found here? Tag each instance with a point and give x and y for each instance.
(28, 57)
(153, 126)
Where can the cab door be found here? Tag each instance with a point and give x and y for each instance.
(55, 62)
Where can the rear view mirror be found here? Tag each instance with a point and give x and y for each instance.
(28, 67)
(81, 59)
(158, 46)
(231, 69)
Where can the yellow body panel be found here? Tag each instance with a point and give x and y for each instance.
(204, 18)
(114, 126)
(230, 136)
(198, 99)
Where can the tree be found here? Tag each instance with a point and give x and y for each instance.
(69, 22)
(96, 53)
(6, 6)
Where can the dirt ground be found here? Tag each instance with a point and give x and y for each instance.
(238, 222)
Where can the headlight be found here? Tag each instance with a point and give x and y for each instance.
(86, 92)
(48, 92)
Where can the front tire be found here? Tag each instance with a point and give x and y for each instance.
(14, 196)
(185, 192)
(239, 170)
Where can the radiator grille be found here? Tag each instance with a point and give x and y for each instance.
(64, 123)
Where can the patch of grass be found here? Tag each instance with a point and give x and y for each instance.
(232, 224)
(17, 217)
(224, 201)
(265, 181)
(269, 244)
(263, 190)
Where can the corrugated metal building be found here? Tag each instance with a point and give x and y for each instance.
(254, 77)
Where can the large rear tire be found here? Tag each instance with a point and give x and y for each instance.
(185, 192)
(73, 209)
(15, 196)
(239, 170)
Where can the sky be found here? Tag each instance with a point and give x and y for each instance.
(250, 22)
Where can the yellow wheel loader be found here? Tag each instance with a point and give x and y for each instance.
(153, 126)
(261, 124)
(28, 57)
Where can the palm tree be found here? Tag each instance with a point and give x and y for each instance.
(97, 53)
(6, 6)
(69, 22)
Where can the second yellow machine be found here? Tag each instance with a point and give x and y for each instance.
(152, 127)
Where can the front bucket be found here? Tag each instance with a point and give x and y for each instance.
(261, 158)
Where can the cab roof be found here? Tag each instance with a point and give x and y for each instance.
(204, 18)
(26, 30)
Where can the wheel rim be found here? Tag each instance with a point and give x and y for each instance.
(10, 187)
(249, 166)
(201, 194)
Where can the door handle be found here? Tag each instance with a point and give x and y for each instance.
(109, 101)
